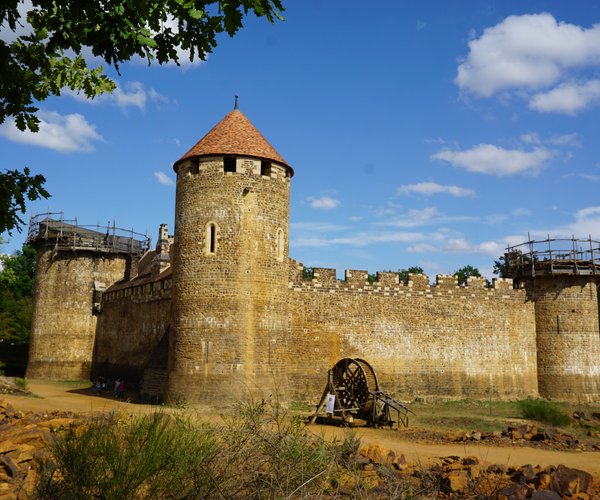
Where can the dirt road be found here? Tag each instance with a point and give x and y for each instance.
(53, 396)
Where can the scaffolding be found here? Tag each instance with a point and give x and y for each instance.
(67, 234)
(553, 256)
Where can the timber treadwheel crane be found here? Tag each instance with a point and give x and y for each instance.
(352, 392)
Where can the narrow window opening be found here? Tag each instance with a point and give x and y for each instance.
(212, 238)
(280, 245)
(229, 164)
(195, 167)
(265, 168)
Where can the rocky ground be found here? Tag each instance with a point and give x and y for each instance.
(454, 466)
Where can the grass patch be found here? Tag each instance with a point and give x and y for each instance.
(21, 383)
(543, 411)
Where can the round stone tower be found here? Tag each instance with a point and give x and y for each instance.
(560, 276)
(230, 265)
(74, 265)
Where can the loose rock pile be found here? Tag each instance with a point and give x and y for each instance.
(456, 477)
(24, 438)
(531, 435)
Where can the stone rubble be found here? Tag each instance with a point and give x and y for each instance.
(25, 440)
(455, 477)
(531, 435)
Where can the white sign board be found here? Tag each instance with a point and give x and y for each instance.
(330, 403)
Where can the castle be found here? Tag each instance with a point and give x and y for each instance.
(220, 309)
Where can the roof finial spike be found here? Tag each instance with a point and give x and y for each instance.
(236, 102)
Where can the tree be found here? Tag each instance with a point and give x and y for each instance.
(48, 58)
(403, 273)
(17, 273)
(500, 267)
(15, 186)
(466, 272)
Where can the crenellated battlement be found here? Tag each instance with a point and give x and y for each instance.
(143, 290)
(220, 308)
(233, 165)
(389, 283)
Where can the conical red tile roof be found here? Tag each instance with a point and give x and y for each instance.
(234, 135)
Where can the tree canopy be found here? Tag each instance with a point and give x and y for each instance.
(403, 273)
(500, 267)
(15, 186)
(466, 272)
(17, 272)
(43, 42)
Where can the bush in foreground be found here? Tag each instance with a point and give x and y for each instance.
(543, 411)
(258, 452)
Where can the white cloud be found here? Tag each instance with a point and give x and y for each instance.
(413, 218)
(324, 203)
(567, 98)
(526, 52)
(422, 248)
(65, 134)
(586, 223)
(359, 239)
(317, 227)
(134, 95)
(183, 54)
(164, 179)
(22, 28)
(431, 188)
(565, 140)
(462, 246)
(521, 212)
(459, 245)
(494, 160)
(131, 94)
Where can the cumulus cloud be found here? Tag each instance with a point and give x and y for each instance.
(431, 188)
(324, 203)
(567, 98)
(63, 133)
(494, 160)
(586, 222)
(164, 179)
(526, 52)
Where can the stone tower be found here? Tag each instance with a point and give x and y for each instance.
(74, 265)
(560, 277)
(230, 265)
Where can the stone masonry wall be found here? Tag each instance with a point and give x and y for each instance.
(568, 342)
(422, 340)
(134, 319)
(229, 302)
(63, 321)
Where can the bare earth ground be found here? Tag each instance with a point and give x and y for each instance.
(64, 397)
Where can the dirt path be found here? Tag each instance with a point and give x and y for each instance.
(61, 397)
(53, 396)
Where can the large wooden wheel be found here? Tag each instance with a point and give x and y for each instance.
(355, 381)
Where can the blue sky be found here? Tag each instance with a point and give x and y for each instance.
(422, 133)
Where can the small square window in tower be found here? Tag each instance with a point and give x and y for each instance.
(265, 168)
(229, 164)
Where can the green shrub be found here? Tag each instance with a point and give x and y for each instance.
(543, 411)
(150, 456)
(258, 452)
